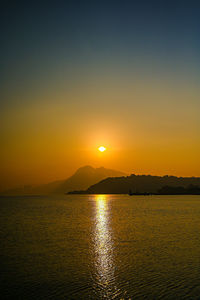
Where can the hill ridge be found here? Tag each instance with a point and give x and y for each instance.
(139, 184)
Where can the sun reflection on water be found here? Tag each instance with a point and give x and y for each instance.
(104, 263)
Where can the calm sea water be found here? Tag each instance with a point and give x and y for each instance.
(100, 247)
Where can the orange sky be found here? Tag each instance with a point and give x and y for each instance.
(80, 74)
(149, 126)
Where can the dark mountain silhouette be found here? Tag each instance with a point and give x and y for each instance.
(81, 179)
(140, 184)
(85, 177)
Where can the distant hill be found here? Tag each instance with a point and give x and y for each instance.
(140, 184)
(80, 180)
(85, 177)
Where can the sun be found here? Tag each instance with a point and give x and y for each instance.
(102, 149)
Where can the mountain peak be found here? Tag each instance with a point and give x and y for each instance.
(83, 178)
(86, 167)
(86, 176)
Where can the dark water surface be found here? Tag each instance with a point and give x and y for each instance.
(100, 247)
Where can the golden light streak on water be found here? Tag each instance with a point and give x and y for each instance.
(104, 260)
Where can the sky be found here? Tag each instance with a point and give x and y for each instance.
(80, 74)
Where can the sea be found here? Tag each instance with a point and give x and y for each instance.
(100, 247)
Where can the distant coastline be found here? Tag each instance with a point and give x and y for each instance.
(89, 180)
(132, 194)
(144, 185)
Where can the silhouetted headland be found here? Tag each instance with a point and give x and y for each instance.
(145, 185)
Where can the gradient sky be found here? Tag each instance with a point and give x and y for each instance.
(80, 74)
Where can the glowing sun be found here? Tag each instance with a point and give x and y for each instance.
(102, 149)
